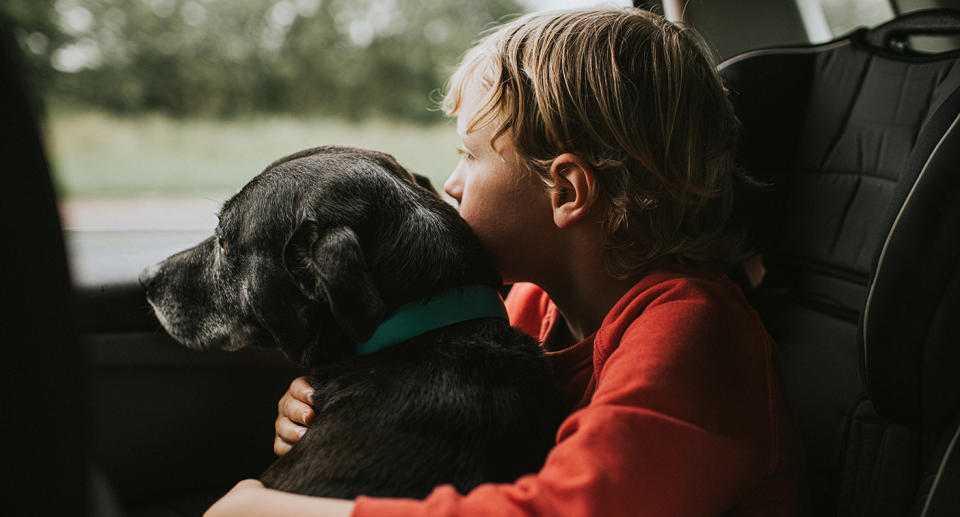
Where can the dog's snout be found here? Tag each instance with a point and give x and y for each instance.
(148, 276)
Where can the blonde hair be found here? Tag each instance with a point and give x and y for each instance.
(635, 96)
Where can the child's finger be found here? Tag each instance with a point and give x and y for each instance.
(289, 431)
(295, 410)
(300, 389)
(280, 447)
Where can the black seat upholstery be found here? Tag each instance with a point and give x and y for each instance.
(857, 144)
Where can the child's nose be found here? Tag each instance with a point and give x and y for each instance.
(454, 186)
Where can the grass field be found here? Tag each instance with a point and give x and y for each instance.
(96, 155)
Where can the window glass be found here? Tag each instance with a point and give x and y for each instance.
(827, 19)
(156, 110)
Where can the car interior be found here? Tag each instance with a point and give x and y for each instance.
(855, 212)
(857, 224)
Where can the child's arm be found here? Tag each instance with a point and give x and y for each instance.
(249, 498)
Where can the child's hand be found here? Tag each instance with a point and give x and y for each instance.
(293, 414)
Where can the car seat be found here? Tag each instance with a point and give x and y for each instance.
(856, 146)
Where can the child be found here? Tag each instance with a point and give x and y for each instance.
(597, 167)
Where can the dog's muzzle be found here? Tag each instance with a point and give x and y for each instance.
(148, 278)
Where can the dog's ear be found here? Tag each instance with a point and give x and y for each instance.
(329, 266)
(424, 182)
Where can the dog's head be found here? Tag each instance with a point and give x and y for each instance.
(313, 254)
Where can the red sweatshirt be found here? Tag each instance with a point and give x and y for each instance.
(677, 413)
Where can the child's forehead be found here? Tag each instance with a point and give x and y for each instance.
(476, 115)
(469, 104)
(473, 135)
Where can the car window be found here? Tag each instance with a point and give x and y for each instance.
(156, 111)
(825, 20)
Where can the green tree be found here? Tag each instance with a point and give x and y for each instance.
(350, 58)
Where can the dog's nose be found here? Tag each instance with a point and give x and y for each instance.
(148, 275)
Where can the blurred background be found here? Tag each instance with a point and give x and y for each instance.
(192, 98)
(155, 111)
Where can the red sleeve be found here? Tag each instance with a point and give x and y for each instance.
(679, 425)
(527, 306)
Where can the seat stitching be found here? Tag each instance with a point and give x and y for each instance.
(832, 149)
(846, 212)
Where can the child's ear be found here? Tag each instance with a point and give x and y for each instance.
(575, 189)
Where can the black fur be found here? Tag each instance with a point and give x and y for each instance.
(311, 256)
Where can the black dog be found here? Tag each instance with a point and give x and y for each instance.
(314, 255)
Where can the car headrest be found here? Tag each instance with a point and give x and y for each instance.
(893, 34)
(908, 340)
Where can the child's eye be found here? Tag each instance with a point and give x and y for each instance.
(464, 154)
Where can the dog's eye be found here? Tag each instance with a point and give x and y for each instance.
(222, 243)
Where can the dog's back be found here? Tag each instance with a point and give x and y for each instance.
(462, 405)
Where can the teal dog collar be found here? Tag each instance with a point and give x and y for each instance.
(413, 319)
